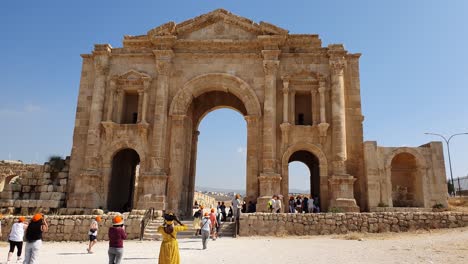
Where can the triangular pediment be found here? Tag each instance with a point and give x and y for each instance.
(218, 24)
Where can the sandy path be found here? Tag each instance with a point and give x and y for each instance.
(441, 246)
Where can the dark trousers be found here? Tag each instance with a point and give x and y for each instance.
(18, 245)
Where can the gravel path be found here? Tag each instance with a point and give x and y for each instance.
(440, 246)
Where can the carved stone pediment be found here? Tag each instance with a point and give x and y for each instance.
(131, 77)
(303, 78)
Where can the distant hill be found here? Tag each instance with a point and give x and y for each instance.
(222, 190)
(241, 192)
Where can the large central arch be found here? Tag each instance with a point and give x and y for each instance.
(189, 105)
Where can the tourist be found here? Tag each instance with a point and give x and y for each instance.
(299, 204)
(251, 207)
(270, 204)
(92, 233)
(169, 250)
(16, 238)
(36, 227)
(197, 216)
(292, 204)
(316, 205)
(310, 205)
(214, 224)
(305, 202)
(223, 210)
(277, 206)
(205, 229)
(116, 237)
(230, 214)
(237, 205)
(218, 219)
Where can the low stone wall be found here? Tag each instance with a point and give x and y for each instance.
(264, 224)
(75, 227)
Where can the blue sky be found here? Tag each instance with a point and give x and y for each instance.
(414, 73)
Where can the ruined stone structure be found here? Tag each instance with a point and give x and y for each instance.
(139, 107)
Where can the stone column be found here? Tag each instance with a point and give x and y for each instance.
(252, 156)
(323, 125)
(140, 105)
(285, 102)
(321, 90)
(193, 170)
(110, 105)
(101, 66)
(341, 184)
(146, 84)
(313, 104)
(337, 65)
(293, 106)
(270, 66)
(177, 165)
(163, 67)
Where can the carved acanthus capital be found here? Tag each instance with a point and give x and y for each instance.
(163, 67)
(270, 67)
(146, 83)
(285, 87)
(251, 119)
(337, 65)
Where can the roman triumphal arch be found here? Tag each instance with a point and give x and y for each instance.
(139, 107)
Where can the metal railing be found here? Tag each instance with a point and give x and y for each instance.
(147, 218)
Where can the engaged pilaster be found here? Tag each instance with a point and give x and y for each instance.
(163, 60)
(101, 65)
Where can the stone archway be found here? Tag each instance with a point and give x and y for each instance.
(121, 190)
(406, 178)
(199, 96)
(322, 170)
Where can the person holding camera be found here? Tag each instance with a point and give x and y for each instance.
(117, 235)
(169, 250)
(34, 231)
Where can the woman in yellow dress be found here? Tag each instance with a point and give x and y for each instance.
(169, 251)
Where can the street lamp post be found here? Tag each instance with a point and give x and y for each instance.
(447, 141)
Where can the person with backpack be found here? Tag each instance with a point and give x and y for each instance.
(169, 250)
(34, 231)
(205, 229)
(270, 204)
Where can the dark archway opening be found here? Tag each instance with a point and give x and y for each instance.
(312, 163)
(406, 190)
(122, 183)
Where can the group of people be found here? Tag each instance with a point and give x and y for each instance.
(304, 204)
(30, 232)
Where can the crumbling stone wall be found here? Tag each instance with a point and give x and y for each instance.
(263, 224)
(75, 227)
(39, 188)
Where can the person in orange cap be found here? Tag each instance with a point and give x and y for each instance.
(16, 238)
(36, 227)
(92, 233)
(205, 229)
(116, 237)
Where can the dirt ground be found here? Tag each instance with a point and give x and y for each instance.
(435, 246)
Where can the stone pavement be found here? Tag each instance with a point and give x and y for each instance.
(440, 246)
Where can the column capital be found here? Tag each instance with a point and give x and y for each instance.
(251, 119)
(270, 67)
(337, 65)
(285, 86)
(163, 61)
(322, 89)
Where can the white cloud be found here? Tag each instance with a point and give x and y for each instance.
(16, 112)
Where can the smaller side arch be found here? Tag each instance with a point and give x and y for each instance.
(312, 148)
(420, 159)
(323, 168)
